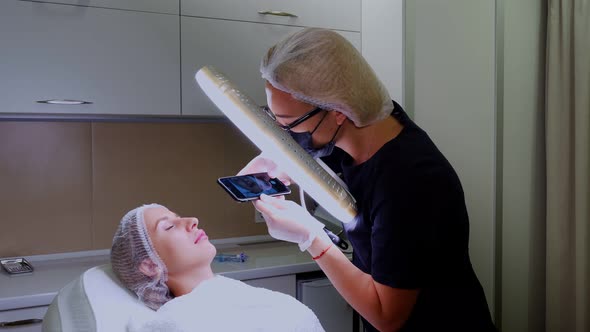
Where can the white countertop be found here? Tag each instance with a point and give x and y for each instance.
(40, 287)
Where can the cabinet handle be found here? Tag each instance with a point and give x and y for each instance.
(321, 283)
(276, 13)
(64, 102)
(21, 322)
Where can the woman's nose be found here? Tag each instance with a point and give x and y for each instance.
(191, 223)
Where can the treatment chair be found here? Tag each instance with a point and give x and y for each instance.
(95, 301)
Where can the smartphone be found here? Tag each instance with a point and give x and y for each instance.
(249, 187)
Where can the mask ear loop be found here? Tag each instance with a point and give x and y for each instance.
(336, 133)
(319, 123)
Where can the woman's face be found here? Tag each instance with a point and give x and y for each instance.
(178, 241)
(248, 183)
(288, 109)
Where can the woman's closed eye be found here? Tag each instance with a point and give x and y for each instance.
(166, 223)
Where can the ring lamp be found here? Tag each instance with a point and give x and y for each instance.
(318, 182)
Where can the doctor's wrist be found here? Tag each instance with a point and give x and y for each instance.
(318, 245)
(303, 246)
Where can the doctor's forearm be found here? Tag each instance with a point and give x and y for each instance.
(357, 288)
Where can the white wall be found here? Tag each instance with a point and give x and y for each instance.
(474, 80)
(382, 26)
(450, 87)
(522, 211)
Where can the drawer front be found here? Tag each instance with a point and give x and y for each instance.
(22, 314)
(156, 6)
(285, 284)
(331, 14)
(123, 62)
(236, 50)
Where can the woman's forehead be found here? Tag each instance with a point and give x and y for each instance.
(153, 214)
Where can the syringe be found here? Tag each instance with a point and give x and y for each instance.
(239, 258)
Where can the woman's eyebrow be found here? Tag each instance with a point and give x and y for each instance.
(164, 218)
(158, 221)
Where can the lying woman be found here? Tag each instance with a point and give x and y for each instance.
(166, 260)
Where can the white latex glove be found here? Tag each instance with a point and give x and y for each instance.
(289, 221)
(263, 163)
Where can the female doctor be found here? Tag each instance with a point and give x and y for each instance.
(411, 269)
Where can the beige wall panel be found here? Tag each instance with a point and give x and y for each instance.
(45, 187)
(175, 164)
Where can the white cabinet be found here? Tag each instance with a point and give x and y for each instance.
(330, 14)
(157, 6)
(323, 299)
(123, 62)
(235, 48)
(285, 284)
(21, 317)
(124, 56)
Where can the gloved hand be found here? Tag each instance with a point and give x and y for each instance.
(289, 221)
(263, 163)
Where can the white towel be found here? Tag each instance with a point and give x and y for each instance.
(224, 304)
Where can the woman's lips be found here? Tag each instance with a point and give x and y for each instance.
(200, 236)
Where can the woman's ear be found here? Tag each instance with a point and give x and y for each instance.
(149, 268)
(340, 118)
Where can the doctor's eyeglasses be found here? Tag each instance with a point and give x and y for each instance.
(295, 123)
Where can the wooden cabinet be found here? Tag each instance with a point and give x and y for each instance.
(21, 315)
(233, 47)
(122, 62)
(156, 6)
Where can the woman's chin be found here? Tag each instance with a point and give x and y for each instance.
(211, 252)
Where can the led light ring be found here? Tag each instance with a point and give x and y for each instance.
(264, 132)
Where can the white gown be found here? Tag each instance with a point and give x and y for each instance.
(224, 304)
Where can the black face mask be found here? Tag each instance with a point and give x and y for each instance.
(305, 141)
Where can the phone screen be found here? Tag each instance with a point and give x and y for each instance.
(251, 186)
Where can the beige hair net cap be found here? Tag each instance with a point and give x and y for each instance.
(322, 68)
(131, 246)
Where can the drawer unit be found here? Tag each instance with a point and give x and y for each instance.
(236, 49)
(157, 6)
(21, 315)
(331, 14)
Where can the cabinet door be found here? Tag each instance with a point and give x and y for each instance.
(330, 14)
(235, 49)
(21, 315)
(157, 6)
(123, 62)
(323, 299)
(285, 284)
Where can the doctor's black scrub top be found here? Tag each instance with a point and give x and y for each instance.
(412, 231)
